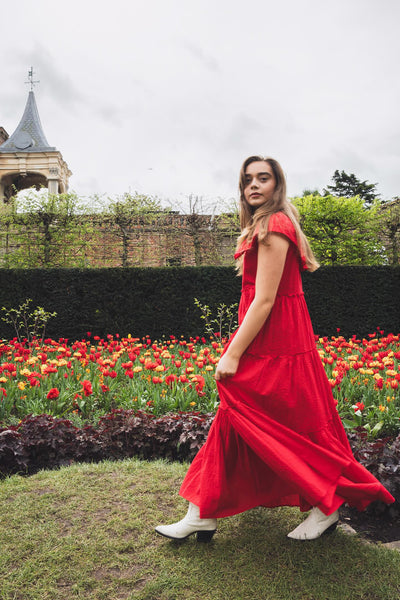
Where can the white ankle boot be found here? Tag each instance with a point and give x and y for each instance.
(315, 525)
(191, 523)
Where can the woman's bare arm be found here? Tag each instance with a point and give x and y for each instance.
(270, 264)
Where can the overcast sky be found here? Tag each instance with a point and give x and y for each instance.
(168, 97)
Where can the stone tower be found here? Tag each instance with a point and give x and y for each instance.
(27, 159)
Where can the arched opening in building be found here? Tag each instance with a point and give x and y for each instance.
(15, 182)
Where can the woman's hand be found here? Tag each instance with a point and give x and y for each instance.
(227, 367)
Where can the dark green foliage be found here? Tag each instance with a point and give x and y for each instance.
(356, 300)
(152, 302)
(348, 186)
(160, 302)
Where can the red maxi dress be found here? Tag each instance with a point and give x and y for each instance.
(277, 439)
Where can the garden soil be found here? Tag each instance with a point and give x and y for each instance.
(372, 527)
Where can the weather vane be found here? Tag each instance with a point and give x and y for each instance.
(31, 81)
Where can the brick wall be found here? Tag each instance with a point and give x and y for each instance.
(167, 240)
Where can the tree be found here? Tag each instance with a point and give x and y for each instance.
(341, 231)
(50, 230)
(349, 186)
(128, 210)
(207, 228)
(211, 227)
(311, 192)
(389, 219)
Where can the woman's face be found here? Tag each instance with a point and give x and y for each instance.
(259, 184)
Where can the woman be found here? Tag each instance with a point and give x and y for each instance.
(277, 439)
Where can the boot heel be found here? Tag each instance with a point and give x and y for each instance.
(332, 528)
(205, 536)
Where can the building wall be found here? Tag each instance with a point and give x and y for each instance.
(3, 135)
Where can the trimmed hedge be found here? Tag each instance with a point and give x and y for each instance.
(159, 301)
(357, 300)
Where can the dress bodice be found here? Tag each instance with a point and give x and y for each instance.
(288, 328)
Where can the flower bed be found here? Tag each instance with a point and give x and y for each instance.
(86, 379)
(365, 378)
(63, 402)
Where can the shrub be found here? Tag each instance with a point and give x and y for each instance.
(157, 301)
(382, 458)
(45, 442)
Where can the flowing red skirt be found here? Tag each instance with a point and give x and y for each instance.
(269, 449)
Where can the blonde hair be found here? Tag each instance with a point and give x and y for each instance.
(250, 217)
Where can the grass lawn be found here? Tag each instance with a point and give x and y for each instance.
(86, 531)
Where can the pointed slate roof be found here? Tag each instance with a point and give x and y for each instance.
(29, 135)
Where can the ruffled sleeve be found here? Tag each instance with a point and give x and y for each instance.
(278, 223)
